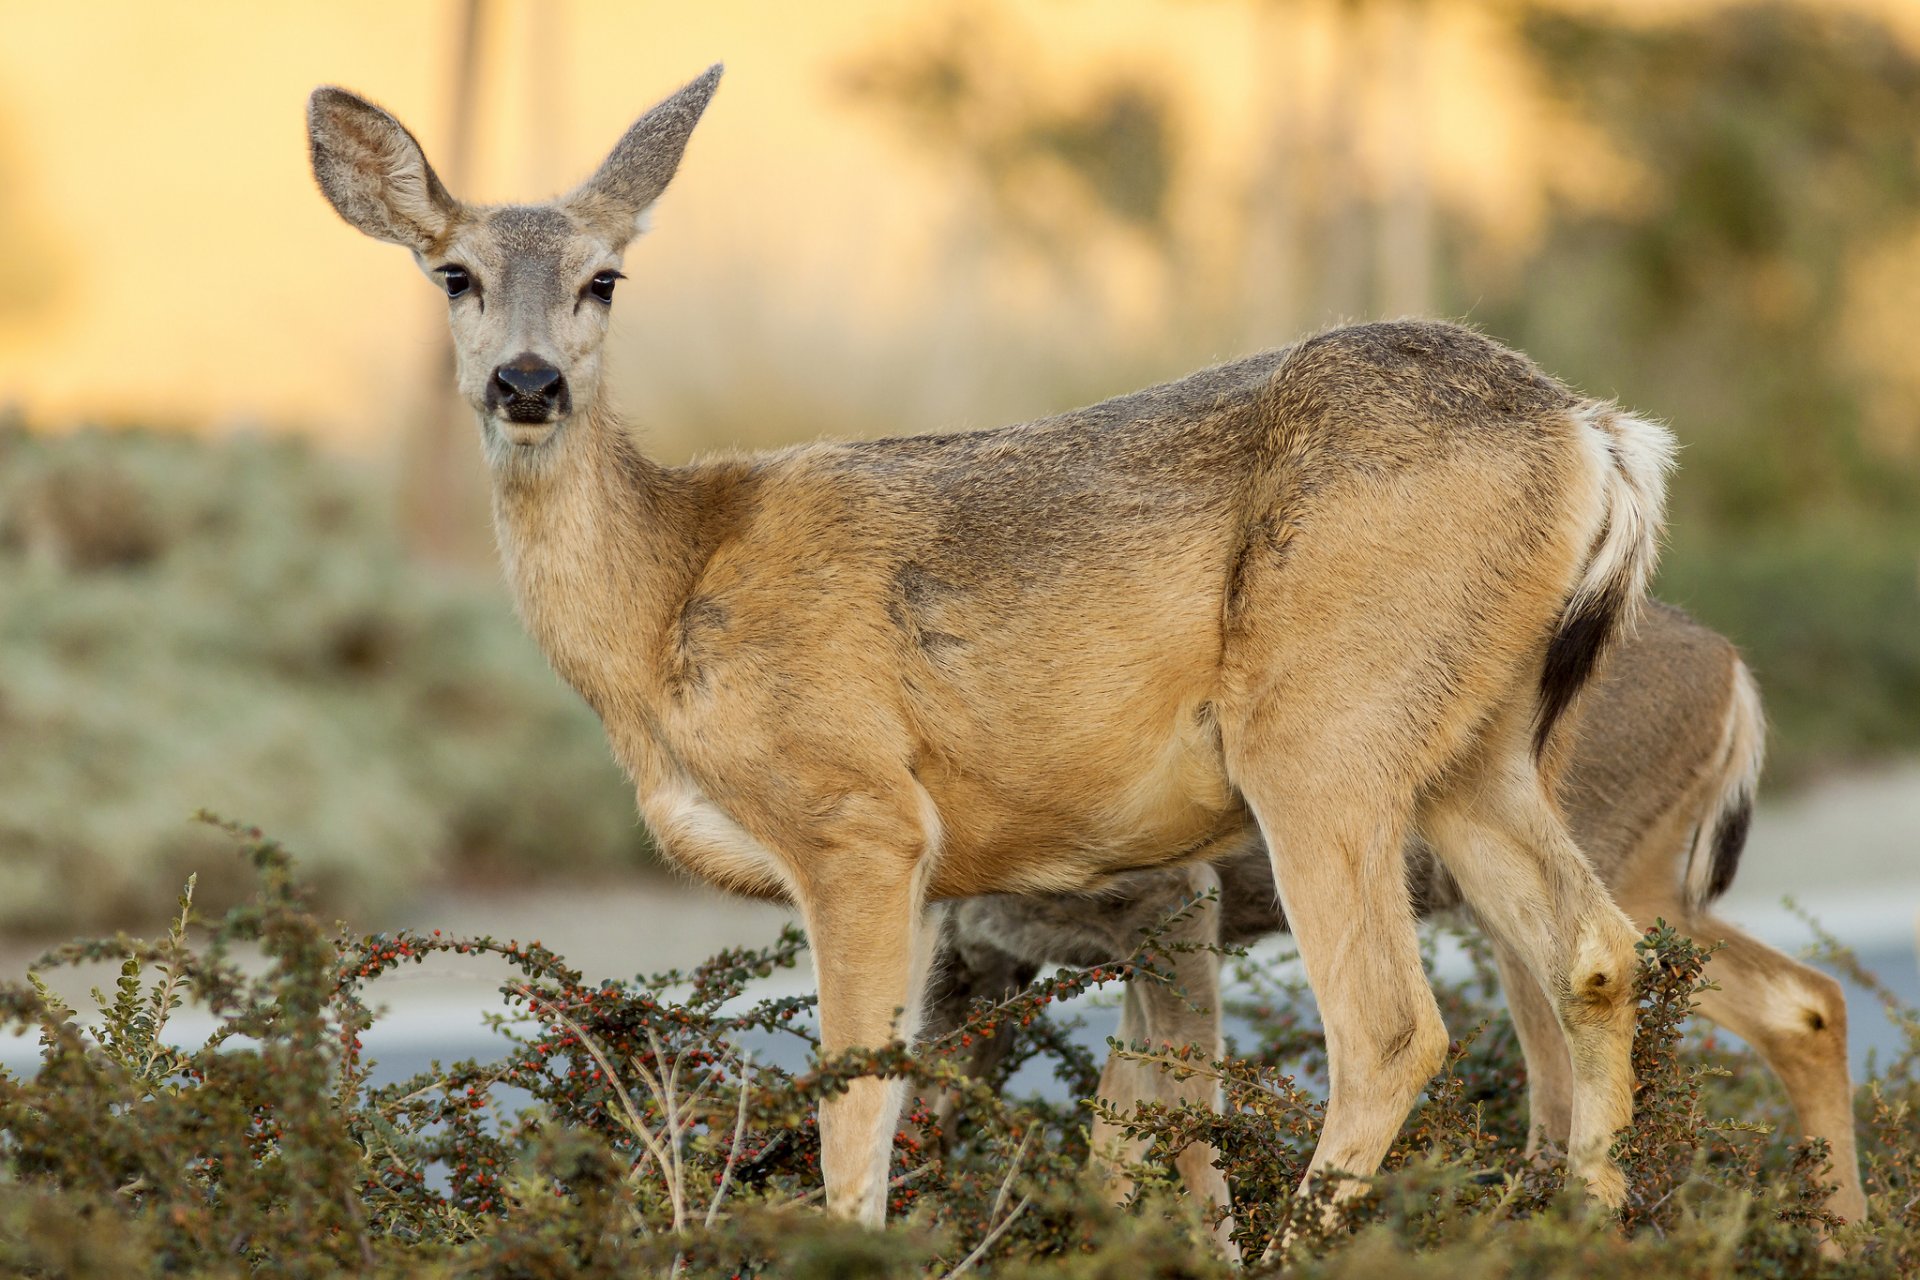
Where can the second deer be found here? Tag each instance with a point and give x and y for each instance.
(1658, 790)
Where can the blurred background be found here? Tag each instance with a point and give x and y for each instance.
(244, 557)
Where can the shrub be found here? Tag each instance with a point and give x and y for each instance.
(235, 626)
(644, 1140)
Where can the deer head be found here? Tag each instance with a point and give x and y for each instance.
(529, 287)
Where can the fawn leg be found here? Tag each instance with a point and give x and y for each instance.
(1185, 1013)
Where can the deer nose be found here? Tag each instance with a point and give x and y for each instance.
(528, 377)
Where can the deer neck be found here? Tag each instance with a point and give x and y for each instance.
(593, 537)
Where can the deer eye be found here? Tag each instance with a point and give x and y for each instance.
(456, 280)
(601, 286)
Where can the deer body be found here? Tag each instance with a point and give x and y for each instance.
(1352, 583)
(955, 615)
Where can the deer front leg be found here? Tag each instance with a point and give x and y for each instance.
(873, 941)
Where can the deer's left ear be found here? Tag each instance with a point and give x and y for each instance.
(375, 174)
(615, 200)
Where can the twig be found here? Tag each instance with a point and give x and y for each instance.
(733, 1151)
(635, 1122)
(163, 993)
(992, 1237)
(999, 1203)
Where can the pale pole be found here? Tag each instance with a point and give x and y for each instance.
(1406, 223)
(442, 498)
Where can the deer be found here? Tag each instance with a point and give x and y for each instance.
(1334, 592)
(1658, 790)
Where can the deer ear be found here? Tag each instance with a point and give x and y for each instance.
(615, 200)
(375, 174)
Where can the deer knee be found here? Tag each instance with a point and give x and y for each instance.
(1598, 986)
(1402, 1055)
(1807, 1025)
(1427, 1052)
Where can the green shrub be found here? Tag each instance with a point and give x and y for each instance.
(645, 1141)
(234, 625)
(1828, 616)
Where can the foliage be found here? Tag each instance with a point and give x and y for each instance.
(1112, 145)
(624, 1130)
(234, 625)
(1746, 294)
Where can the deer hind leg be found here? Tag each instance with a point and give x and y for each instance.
(1549, 1069)
(1185, 1012)
(1795, 1017)
(1519, 870)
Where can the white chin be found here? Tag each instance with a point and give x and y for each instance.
(527, 435)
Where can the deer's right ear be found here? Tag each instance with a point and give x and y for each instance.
(375, 174)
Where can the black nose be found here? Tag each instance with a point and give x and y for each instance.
(528, 377)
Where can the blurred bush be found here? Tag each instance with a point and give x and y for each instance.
(1829, 619)
(232, 625)
(1776, 166)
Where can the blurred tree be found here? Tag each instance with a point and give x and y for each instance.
(1320, 237)
(29, 259)
(969, 90)
(1777, 145)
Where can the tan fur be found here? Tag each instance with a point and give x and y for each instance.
(1313, 591)
(1668, 743)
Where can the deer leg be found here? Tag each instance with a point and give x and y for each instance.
(1339, 868)
(1187, 1012)
(1795, 1017)
(962, 975)
(873, 942)
(1536, 893)
(1549, 1070)
(1124, 1084)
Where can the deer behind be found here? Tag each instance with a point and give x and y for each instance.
(1345, 588)
(1659, 783)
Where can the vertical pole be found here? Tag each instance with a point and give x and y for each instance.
(442, 499)
(1406, 223)
(1272, 307)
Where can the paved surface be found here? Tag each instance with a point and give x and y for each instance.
(1849, 852)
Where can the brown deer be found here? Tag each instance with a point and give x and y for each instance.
(1335, 592)
(1659, 784)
